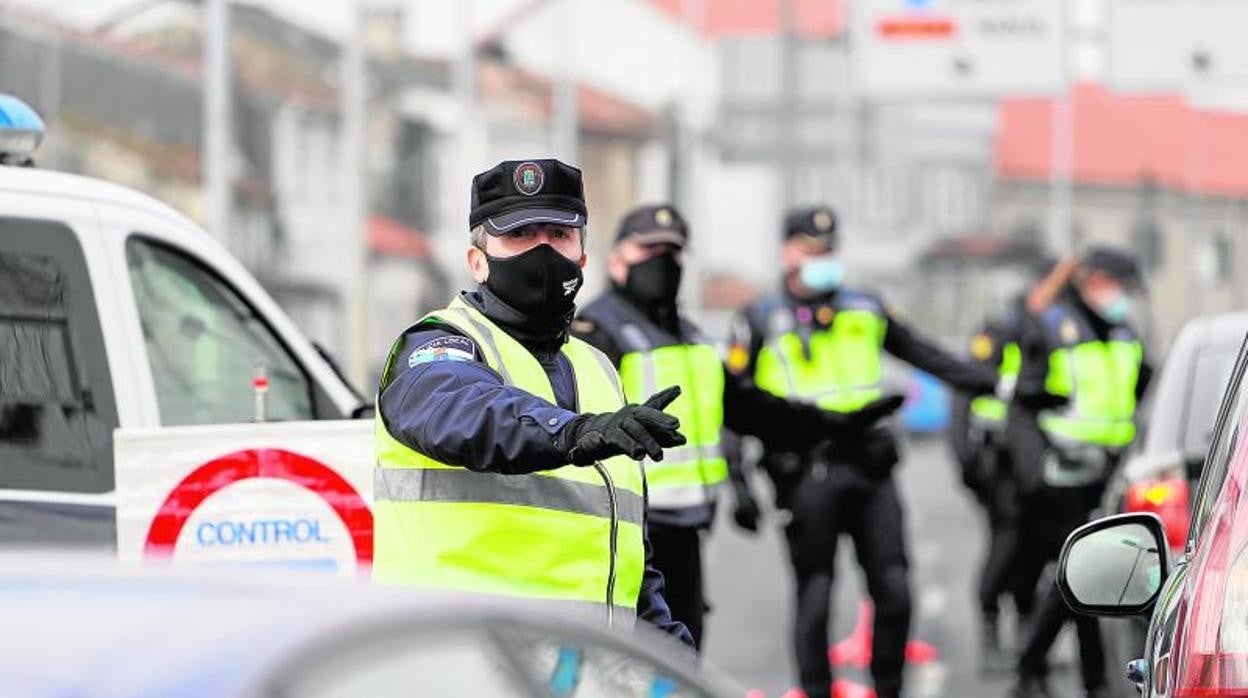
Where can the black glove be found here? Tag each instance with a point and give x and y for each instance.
(851, 424)
(746, 512)
(636, 431)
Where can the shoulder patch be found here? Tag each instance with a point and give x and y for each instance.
(982, 346)
(738, 358)
(1069, 330)
(449, 348)
(582, 326)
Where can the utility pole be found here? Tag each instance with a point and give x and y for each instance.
(353, 146)
(566, 118)
(788, 135)
(215, 154)
(1061, 150)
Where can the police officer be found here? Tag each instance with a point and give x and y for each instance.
(638, 325)
(824, 343)
(1083, 371)
(977, 434)
(506, 455)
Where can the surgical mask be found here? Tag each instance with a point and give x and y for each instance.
(656, 280)
(539, 283)
(1114, 309)
(823, 273)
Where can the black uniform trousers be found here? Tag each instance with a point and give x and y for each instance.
(999, 575)
(1049, 515)
(827, 502)
(677, 554)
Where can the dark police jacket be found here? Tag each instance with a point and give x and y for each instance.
(1027, 442)
(444, 401)
(750, 333)
(782, 424)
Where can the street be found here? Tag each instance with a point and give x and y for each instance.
(750, 587)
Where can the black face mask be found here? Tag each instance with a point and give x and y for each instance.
(656, 280)
(540, 283)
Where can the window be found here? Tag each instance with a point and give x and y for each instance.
(57, 411)
(1211, 374)
(206, 345)
(1225, 440)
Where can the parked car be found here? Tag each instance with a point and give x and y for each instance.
(1197, 638)
(1164, 464)
(75, 627)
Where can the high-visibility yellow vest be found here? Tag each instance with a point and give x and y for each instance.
(834, 361)
(569, 538)
(654, 359)
(1099, 378)
(990, 412)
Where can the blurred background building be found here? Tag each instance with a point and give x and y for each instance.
(734, 109)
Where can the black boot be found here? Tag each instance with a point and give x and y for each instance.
(1030, 686)
(993, 660)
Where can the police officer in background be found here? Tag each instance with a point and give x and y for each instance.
(506, 455)
(977, 435)
(1082, 373)
(823, 343)
(638, 325)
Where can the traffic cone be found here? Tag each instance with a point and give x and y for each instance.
(855, 650)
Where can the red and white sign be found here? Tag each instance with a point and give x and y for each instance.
(918, 49)
(295, 495)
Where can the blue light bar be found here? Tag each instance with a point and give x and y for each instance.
(21, 130)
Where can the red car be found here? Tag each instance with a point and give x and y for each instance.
(1197, 640)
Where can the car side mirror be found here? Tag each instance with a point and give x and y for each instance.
(1114, 566)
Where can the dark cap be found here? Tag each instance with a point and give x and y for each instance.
(651, 225)
(518, 192)
(1116, 263)
(818, 221)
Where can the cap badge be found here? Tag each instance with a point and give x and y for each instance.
(663, 218)
(529, 178)
(823, 221)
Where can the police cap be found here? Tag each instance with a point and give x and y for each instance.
(519, 192)
(1112, 262)
(654, 224)
(817, 222)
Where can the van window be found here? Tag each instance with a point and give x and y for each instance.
(206, 345)
(1227, 434)
(57, 410)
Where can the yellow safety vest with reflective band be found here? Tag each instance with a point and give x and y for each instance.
(838, 367)
(990, 412)
(1099, 378)
(654, 359)
(569, 538)
(687, 473)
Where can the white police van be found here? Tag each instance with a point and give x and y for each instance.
(135, 353)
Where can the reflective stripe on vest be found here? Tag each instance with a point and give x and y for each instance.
(990, 412)
(571, 535)
(685, 476)
(1099, 378)
(841, 370)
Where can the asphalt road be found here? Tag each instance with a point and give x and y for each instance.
(750, 588)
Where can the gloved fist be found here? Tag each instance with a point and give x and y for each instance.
(636, 431)
(746, 512)
(848, 424)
